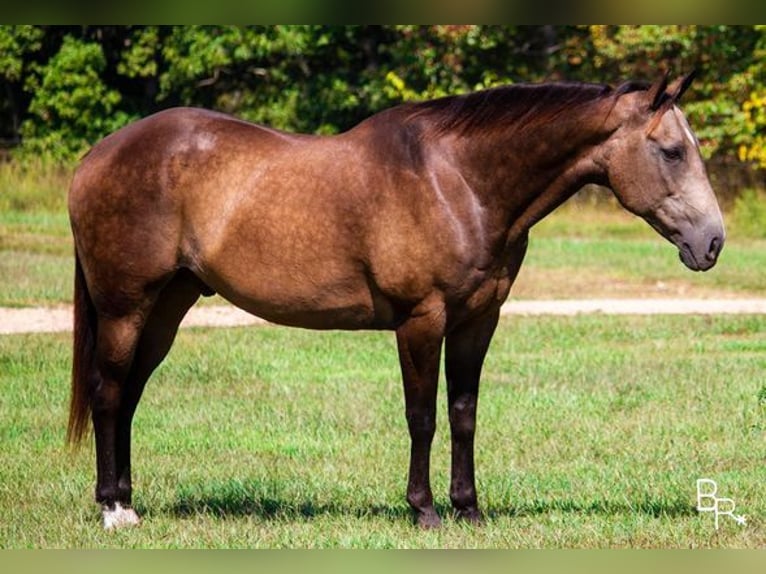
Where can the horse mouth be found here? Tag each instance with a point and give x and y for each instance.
(687, 257)
(699, 263)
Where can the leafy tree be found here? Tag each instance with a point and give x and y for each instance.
(71, 107)
(719, 54)
(64, 87)
(751, 136)
(16, 44)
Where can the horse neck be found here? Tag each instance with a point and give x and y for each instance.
(522, 175)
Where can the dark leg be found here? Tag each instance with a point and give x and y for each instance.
(116, 343)
(128, 351)
(464, 356)
(419, 342)
(155, 342)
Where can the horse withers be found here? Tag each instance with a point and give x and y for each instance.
(416, 220)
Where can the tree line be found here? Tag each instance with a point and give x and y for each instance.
(65, 87)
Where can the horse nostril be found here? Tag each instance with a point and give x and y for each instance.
(715, 248)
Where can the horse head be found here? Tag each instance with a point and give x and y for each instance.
(655, 170)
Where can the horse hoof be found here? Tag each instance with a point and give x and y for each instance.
(428, 520)
(119, 517)
(471, 515)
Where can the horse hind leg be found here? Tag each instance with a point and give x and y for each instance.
(153, 343)
(116, 341)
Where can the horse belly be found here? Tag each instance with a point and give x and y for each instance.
(291, 300)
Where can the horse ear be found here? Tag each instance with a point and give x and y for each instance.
(657, 93)
(678, 87)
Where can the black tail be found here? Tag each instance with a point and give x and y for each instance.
(82, 357)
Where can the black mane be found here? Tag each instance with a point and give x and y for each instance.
(522, 104)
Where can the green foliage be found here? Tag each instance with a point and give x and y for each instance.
(16, 43)
(749, 213)
(639, 48)
(139, 59)
(752, 140)
(72, 107)
(70, 85)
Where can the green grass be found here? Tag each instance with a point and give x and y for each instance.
(592, 432)
(36, 263)
(587, 249)
(33, 186)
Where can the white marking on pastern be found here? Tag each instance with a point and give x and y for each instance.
(119, 517)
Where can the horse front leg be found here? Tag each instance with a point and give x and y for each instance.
(464, 356)
(419, 342)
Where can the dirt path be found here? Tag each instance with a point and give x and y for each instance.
(56, 319)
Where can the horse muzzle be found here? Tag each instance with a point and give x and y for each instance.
(696, 229)
(699, 250)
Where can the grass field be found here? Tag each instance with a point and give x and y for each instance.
(592, 432)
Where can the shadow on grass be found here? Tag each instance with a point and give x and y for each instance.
(647, 507)
(270, 500)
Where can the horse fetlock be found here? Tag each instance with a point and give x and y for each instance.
(107, 496)
(420, 499)
(463, 498)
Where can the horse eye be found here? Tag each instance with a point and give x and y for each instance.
(672, 154)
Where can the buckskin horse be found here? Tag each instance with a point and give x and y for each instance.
(415, 220)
